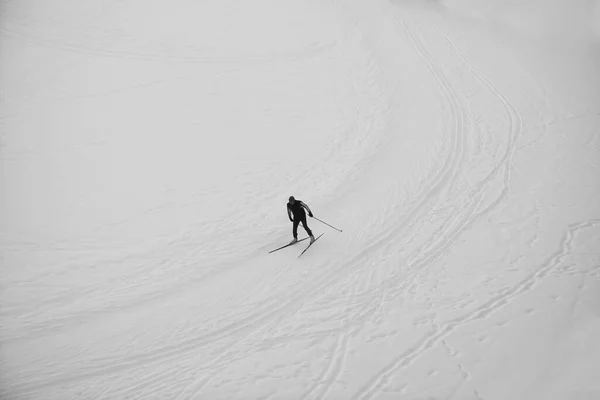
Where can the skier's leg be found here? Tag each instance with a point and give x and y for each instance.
(295, 228)
(305, 226)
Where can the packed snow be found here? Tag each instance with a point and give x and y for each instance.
(148, 149)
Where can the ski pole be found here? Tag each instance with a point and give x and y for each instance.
(339, 230)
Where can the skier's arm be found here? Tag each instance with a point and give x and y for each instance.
(289, 213)
(307, 209)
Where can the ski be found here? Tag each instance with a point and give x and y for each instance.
(287, 245)
(310, 244)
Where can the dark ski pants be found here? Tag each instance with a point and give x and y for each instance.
(296, 223)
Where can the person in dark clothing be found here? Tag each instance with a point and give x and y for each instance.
(296, 208)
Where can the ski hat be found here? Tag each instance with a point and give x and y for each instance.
(292, 198)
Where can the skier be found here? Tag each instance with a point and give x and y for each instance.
(296, 207)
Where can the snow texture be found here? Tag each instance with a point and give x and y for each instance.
(148, 148)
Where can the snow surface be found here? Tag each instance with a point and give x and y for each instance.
(148, 149)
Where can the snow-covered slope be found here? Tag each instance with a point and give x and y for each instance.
(148, 149)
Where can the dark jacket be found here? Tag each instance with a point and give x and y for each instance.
(297, 209)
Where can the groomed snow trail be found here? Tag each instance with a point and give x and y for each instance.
(147, 153)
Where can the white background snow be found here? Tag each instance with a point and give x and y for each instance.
(148, 149)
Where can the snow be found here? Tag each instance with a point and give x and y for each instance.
(148, 148)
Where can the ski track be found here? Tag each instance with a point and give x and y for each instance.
(494, 304)
(337, 357)
(436, 248)
(443, 238)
